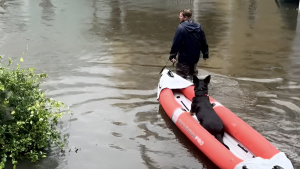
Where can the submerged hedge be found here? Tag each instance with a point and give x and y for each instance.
(28, 118)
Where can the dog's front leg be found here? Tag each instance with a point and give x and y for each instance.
(193, 109)
(192, 113)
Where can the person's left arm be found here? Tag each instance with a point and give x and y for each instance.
(204, 45)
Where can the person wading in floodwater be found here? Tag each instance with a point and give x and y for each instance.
(188, 41)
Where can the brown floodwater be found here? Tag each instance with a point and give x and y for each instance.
(103, 58)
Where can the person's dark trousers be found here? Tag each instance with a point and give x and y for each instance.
(186, 71)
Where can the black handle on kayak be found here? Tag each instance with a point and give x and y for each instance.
(170, 73)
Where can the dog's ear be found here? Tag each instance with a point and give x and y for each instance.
(207, 79)
(195, 79)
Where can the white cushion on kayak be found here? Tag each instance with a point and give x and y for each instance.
(175, 82)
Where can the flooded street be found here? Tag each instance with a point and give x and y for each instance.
(103, 58)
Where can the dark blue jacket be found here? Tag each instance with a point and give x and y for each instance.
(188, 41)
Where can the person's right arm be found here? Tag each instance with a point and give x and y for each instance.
(176, 43)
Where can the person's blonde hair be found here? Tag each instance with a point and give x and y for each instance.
(186, 13)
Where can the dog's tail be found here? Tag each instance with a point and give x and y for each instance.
(220, 138)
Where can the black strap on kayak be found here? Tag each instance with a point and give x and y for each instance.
(184, 105)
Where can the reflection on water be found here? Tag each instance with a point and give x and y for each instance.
(48, 12)
(104, 57)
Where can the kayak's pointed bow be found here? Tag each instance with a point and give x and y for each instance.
(278, 161)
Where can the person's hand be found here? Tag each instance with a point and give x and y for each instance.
(173, 60)
(205, 56)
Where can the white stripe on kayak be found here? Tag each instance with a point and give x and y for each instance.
(177, 112)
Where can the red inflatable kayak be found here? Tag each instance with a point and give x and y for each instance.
(248, 149)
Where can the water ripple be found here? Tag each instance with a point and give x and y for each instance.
(289, 105)
(261, 80)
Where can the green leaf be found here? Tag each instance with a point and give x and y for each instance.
(9, 61)
(2, 87)
(2, 165)
(43, 75)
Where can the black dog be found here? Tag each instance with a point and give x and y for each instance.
(204, 111)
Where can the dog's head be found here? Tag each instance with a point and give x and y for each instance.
(201, 86)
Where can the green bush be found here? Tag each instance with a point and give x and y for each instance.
(28, 118)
